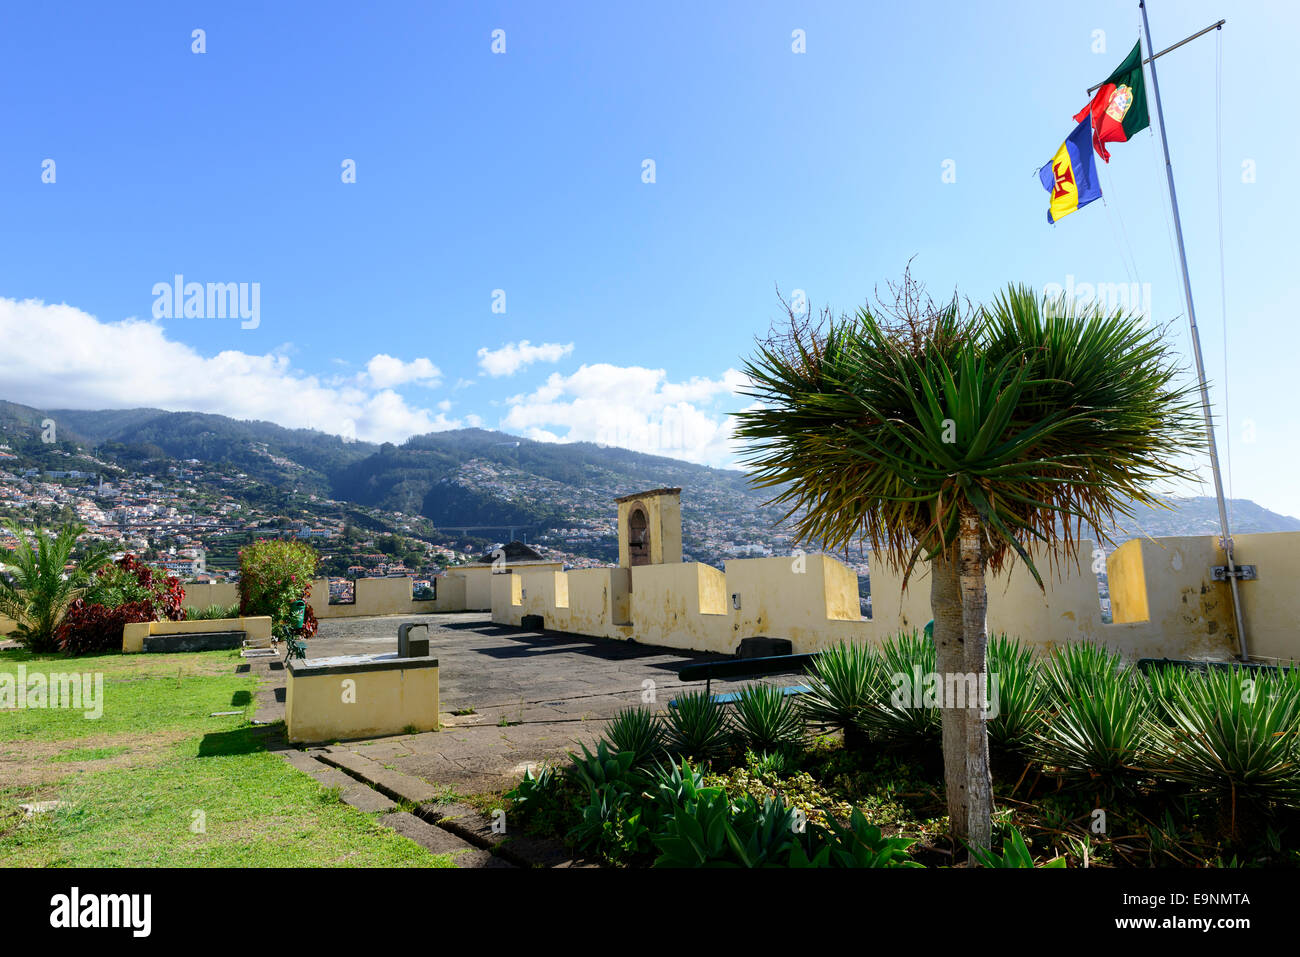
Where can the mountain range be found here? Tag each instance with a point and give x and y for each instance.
(477, 477)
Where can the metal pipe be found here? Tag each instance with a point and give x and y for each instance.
(1212, 26)
(1196, 348)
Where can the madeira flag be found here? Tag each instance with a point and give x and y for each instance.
(1071, 176)
(1119, 109)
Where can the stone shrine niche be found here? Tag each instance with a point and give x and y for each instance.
(638, 536)
(650, 528)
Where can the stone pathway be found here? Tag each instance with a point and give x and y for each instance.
(511, 699)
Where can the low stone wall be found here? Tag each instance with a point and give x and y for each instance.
(257, 628)
(360, 696)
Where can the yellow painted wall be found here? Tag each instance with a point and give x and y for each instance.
(1271, 604)
(213, 593)
(1128, 584)
(1163, 587)
(385, 702)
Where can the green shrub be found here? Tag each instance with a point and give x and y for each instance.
(767, 719)
(636, 731)
(1098, 729)
(844, 682)
(610, 825)
(1015, 854)
(708, 829)
(1233, 734)
(1021, 695)
(1079, 666)
(273, 574)
(894, 716)
(857, 844)
(212, 612)
(606, 766)
(698, 727)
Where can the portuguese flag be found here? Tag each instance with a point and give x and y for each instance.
(1120, 107)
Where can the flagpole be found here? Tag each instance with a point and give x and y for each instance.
(1228, 549)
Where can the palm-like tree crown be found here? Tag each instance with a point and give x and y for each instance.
(34, 590)
(1031, 414)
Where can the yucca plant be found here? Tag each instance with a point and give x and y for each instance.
(1233, 734)
(1097, 730)
(767, 719)
(843, 683)
(1078, 665)
(1162, 686)
(964, 439)
(212, 612)
(698, 727)
(901, 713)
(36, 591)
(1020, 694)
(638, 732)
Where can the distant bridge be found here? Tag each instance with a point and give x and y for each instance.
(466, 529)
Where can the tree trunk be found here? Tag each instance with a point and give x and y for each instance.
(974, 610)
(950, 658)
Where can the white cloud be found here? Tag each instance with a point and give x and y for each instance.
(631, 407)
(512, 357)
(57, 356)
(384, 372)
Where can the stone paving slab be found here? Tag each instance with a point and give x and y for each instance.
(351, 791)
(393, 784)
(441, 841)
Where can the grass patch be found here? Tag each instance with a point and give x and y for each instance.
(91, 754)
(141, 694)
(214, 795)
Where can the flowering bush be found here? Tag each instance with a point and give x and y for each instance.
(95, 628)
(273, 574)
(124, 591)
(129, 581)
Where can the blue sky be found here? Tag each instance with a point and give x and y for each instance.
(522, 171)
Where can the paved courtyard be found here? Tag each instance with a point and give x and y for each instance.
(534, 695)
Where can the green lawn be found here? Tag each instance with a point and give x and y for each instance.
(156, 782)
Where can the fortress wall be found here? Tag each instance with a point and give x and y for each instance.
(1165, 602)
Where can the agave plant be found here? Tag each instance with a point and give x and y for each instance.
(857, 844)
(1020, 695)
(1098, 729)
(636, 731)
(1015, 854)
(605, 767)
(901, 712)
(698, 727)
(767, 719)
(844, 682)
(1233, 734)
(713, 830)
